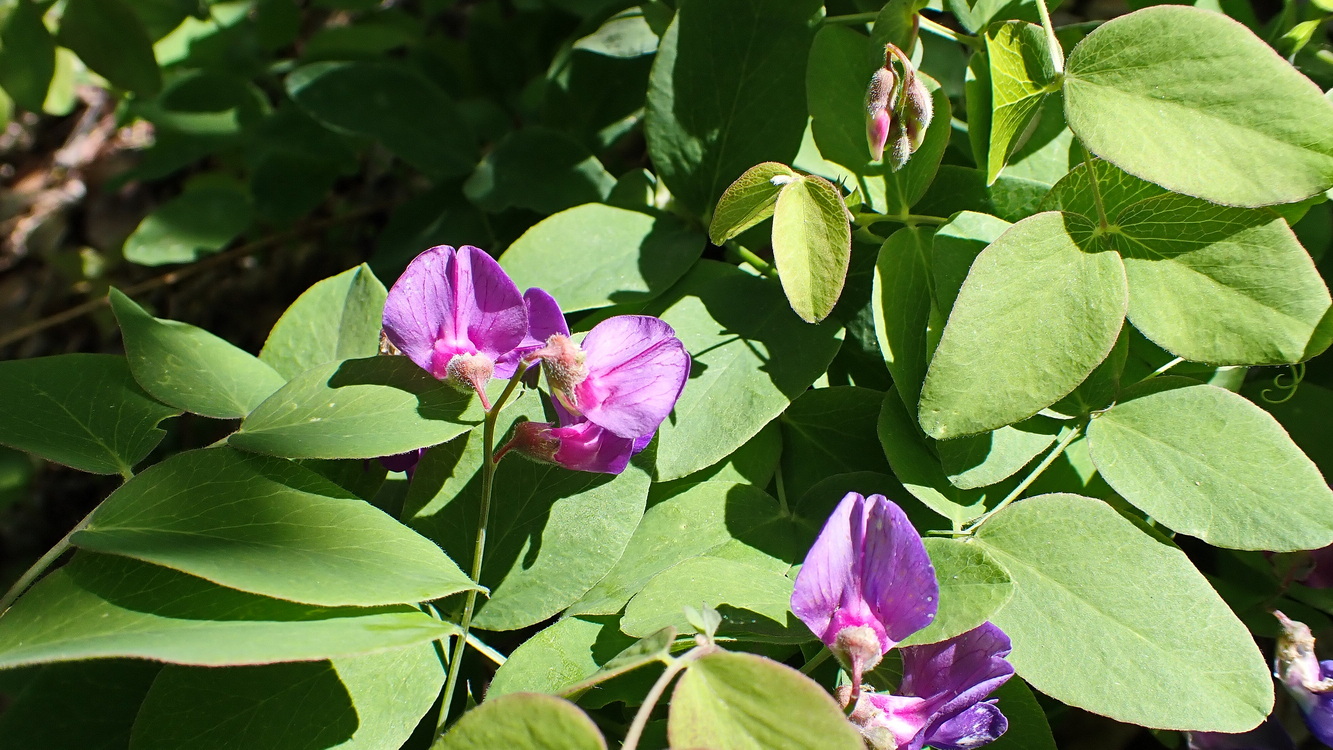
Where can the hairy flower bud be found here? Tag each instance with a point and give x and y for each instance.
(880, 96)
(918, 110)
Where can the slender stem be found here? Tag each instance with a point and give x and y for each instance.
(908, 219)
(479, 547)
(1163, 368)
(485, 650)
(43, 562)
(814, 663)
(853, 19)
(1029, 479)
(940, 29)
(1096, 190)
(782, 491)
(1057, 53)
(760, 265)
(673, 668)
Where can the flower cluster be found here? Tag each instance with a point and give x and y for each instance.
(866, 585)
(898, 109)
(459, 316)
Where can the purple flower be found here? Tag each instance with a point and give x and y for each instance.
(544, 320)
(867, 583)
(625, 376)
(578, 445)
(455, 313)
(941, 701)
(1308, 680)
(404, 462)
(1267, 736)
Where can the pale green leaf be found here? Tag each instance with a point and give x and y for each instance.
(1021, 74)
(990, 457)
(754, 601)
(1112, 602)
(1040, 309)
(749, 200)
(190, 368)
(523, 721)
(1195, 102)
(812, 245)
(1206, 462)
(973, 587)
(337, 318)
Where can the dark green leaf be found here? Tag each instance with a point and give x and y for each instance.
(524, 721)
(201, 221)
(112, 41)
(80, 706)
(27, 54)
(918, 469)
(1028, 728)
(81, 410)
(990, 457)
(907, 321)
(830, 431)
(538, 169)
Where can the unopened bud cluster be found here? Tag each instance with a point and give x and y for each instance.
(898, 109)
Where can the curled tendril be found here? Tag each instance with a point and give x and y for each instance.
(1297, 375)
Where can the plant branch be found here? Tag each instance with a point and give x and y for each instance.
(674, 667)
(1029, 479)
(479, 546)
(940, 29)
(179, 274)
(1096, 190)
(760, 265)
(853, 19)
(1056, 51)
(43, 562)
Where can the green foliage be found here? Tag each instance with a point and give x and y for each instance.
(524, 721)
(337, 318)
(202, 220)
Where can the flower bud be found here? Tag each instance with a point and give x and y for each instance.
(918, 110)
(470, 372)
(566, 367)
(880, 96)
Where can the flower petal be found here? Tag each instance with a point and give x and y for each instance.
(829, 570)
(588, 447)
(451, 302)
(958, 673)
(544, 319)
(897, 578)
(973, 727)
(636, 371)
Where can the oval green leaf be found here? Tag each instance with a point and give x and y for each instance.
(81, 410)
(730, 701)
(27, 54)
(524, 721)
(1112, 621)
(109, 38)
(754, 601)
(1040, 309)
(1195, 102)
(1206, 462)
(812, 245)
(200, 221)
(973, 587)
(337, 318)
(270, 528)
(190, 368)
(1021, 75)
(749, 200)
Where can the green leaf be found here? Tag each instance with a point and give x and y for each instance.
(200, 221)
(111, 40)
(595, 256)
(749, 200)
(754, 601)
(1021, 74)
(751, 357)
(655, 648)
(101, 606)
(1220, 285)
(85, 705)
(394, 105)
(719, 519)
(962, 189)
(1112, 602)
(1028, 728)
(727, 91)
(973, 587)
(190, 368)
(524, 721)
(539, 169)
(990, 457)
(903, 305)
(80, 410)
(1195, 102)
(27, 54)
(830, 431)
(1040, 309)
(1304, 415)
(728, 701)
(904, 188)
(918, 469)
(271, 528)
(361, 408)
(1208, 463)
(812, 245)
(337, 318)
(956, 246)
(575, 654)
(626, 34)
(352, 703)
(553, 532)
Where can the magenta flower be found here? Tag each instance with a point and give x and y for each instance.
(544, 320)
(455, 313)
(867, 583)
(404, 462)
(625, 376)
(578, 445)
(941, 701)
(1308, 680)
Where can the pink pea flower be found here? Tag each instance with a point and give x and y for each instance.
(625, 376)
(881, 97)
(1308, 680)
(455, 313)
(545, 319)
(867, 583)
(941, 701)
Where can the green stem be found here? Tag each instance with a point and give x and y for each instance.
(1163, 368)
(1029, 479)
(853, 18)
(939, 29)
(43, 562)
(760, 265)
(782, 492)
(1096, 190)
(1057, 53)
(910, 220)
(673, 668)
(814, 663)
(479, 547)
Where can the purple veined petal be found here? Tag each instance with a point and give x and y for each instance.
(829, 570)
(544, 320)
(636, 371)
(898, 578)
(588, 447)
(404, 462)
(905, 717)
(978, 725)
(451, 302)
(959, 672)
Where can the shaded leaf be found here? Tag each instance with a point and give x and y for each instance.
(200, 221)
(110, 39)
(524, 721)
